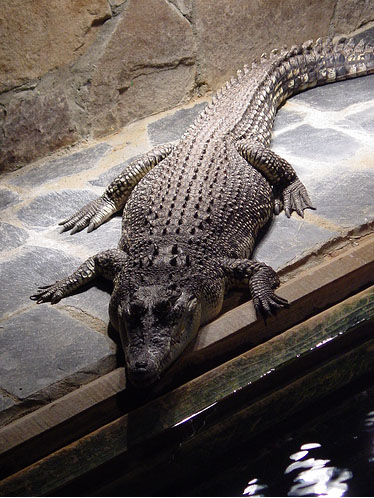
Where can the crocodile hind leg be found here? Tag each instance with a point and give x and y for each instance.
(107, 263)
(288, 189)
(116, 194)
(261, 279)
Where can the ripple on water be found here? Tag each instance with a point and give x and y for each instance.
(311, 476)
(314, 477)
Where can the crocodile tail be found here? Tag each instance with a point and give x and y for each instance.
(310, 65)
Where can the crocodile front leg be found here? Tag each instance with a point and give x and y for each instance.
(106, 263)
(280, 174)
(116, 194)
(261, 279)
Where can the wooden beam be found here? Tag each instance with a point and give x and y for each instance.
(210, 401)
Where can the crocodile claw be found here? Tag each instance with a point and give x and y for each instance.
(91, 215)
(268, 303)
(49, 293)
(278, 206)
(261, 286)
(296, 198)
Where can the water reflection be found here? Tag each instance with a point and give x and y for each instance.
(253, 488)
(369, 427)
(311, 476)
(315, 477)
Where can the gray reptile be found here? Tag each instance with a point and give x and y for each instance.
(192, 211)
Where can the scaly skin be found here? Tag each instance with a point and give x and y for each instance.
(192, 211)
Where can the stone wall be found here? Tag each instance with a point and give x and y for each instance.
(77, 69)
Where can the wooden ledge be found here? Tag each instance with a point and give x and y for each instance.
(47, 429)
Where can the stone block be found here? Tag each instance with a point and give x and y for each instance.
(61, 167)
(324, 144)
(5, 402)
(22, 274)
(185, 7)
(231, 34)
(362, 120)
(37, 123)
(102, 238)
(11, 236)
(287, 239)
(338, 96)
(350, 15)
(37, 37)
(285, 118)
(34, 266)
(49, 209)
(8, 198)
(153, 70)
(367, 35)
(43, 346)
(171, 128)
(346, 197)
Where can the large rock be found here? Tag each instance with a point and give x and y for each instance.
(147, 65)
(38, 121)
(36, 37)
(350, 15)
(230, 34)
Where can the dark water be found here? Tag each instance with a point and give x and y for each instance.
(326, 451)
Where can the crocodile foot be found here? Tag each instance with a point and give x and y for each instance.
(296, 198)
(51, 293)
(261, 286)
(91, 215)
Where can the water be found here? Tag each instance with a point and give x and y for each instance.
(325, 451)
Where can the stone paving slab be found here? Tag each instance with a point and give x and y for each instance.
(61, 167)
(326, 133)
(5, 402)
(338, 96)
(287, 239)
(8, 198)
(171, 128)
(338, 200)
(11, 236)
(35, 355)
(315, 144)
(48, 209)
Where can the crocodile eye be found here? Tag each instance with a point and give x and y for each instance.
(134, 311)
(162, 308)
(137, 307)
(192, 304)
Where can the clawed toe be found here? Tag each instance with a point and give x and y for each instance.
(269, 304)
(296, 198)
(92, 215)
(47, 293)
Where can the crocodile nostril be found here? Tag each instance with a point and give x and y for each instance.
(141, 364)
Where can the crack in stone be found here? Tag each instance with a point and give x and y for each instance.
(6, 394)
(312, 257)
(87, 319)
(154, 69)
(186, 16)
(333, 16)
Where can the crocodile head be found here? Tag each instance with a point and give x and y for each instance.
(156, 322)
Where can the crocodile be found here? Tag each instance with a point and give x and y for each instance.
(192, 210)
